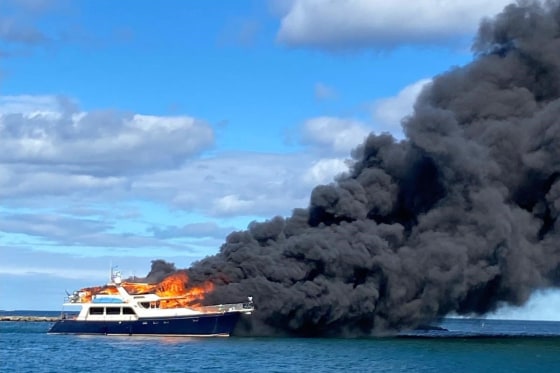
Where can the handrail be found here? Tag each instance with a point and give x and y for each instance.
(229, 307)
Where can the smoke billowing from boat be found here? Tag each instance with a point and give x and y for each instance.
(459, 216)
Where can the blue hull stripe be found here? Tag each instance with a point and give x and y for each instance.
(199, 325)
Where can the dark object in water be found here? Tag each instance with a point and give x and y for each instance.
(427, 328)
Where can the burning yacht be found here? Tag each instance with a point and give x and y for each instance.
(167, 308)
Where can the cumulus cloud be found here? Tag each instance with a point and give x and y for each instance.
(232, 184)
(389, 112)
(52, 148)
(45, 138)
(57, 150)
(31, 105)
(333, 139)
(245, 185)
(324, 171)
(334, 135)
(352, 24)
(233, 204)
(237, 184)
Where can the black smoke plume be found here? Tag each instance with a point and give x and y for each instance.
(160, 269)
(459, 216)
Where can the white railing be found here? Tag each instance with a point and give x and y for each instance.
(230, 307)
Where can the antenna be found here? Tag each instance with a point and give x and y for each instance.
(116, 277)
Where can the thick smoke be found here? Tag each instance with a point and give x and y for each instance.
(160, 269)
(458, 217)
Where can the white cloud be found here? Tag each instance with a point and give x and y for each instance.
(21, 181)
(241, 183)
(232, 204)
(350, 24)
(324, 171)
(29, 105)
(58, 150)
(334, 135)
(55, 227)
(48, 146)
(97, 142)
(229, 184)
(388, 112)
(53, 149)
(99, 157)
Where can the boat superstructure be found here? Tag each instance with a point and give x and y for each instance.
(118, 312)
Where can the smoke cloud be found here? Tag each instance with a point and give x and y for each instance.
(460, 216)
(160, 269)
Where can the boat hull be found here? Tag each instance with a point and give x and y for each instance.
(199, 325)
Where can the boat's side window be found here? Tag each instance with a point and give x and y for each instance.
(113, 310)
(128, 311)
(145, 304)
(96, 311)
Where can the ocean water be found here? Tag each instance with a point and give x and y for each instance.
(466, 346)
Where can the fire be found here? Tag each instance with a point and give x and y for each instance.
(86, 294)
(173, 289)
(138, 287)
(173, 285)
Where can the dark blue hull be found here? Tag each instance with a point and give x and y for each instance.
(200, 325)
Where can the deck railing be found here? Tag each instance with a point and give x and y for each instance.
(247, 307)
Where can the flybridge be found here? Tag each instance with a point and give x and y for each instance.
(173, 291)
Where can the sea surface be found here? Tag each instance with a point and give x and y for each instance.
(462, 345)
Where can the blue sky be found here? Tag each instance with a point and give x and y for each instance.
(139, 130)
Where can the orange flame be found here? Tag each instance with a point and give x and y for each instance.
(138, 287)
(173, 289)
(86, 294)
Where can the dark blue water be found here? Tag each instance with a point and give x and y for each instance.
(529, 347)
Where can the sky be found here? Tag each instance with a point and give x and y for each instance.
(137, 130)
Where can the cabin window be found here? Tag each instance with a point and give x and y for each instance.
(128, 311)
(96, 311)
(113, 311)
(145, 304)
